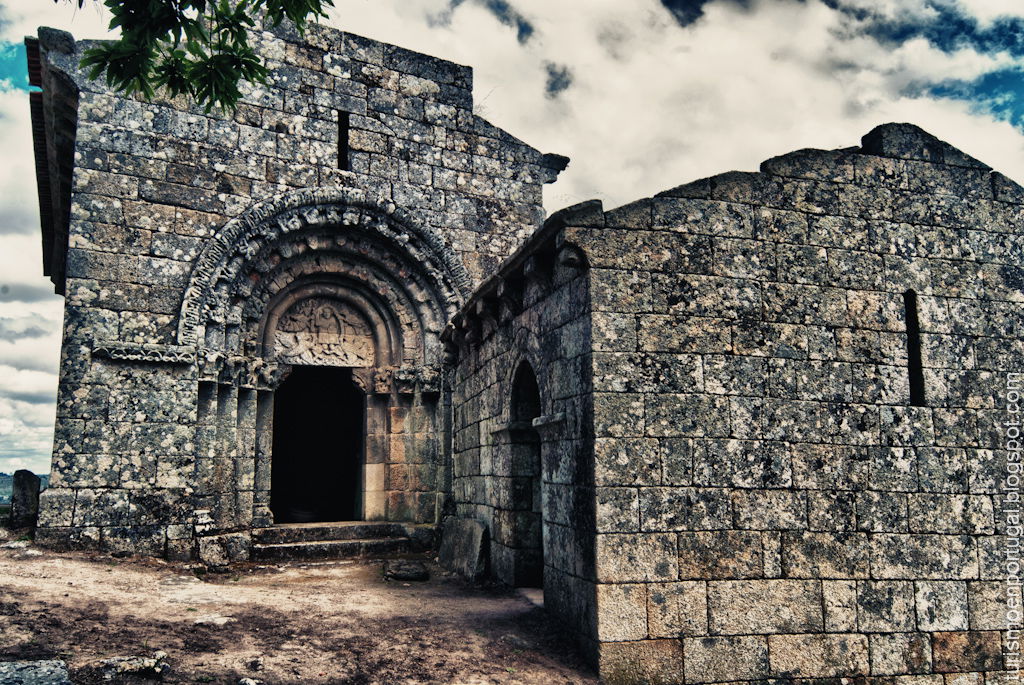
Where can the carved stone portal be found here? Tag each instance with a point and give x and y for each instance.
(325, 332)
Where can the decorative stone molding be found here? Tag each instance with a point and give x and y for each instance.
(428, 379)
(209, 363)
(149, 353)
(549, 420)
(242, 238)
(232, 370)
(512, 427)
(549, 426)
(382, 381)
(405, 380)
(265, 375)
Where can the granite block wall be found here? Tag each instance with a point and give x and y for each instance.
(530, 319)
(773, 500)
(796, 385)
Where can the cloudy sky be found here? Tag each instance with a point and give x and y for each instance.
(642, 94)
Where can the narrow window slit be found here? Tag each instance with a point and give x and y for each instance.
(343, 124)
(914, 367)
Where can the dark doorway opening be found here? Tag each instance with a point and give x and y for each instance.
(527, 476)
(317, 459)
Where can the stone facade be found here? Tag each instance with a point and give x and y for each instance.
(747, 429)
(338, 218)
(769, 417)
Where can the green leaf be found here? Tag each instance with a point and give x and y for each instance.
(215, 35)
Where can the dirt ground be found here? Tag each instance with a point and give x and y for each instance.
(312, 622)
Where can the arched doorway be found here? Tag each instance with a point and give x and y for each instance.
(320, 282)
(319, 437)
(527, 475)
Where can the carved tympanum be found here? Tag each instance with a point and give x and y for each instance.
(325, 332)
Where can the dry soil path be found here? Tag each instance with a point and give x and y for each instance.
(329, 622)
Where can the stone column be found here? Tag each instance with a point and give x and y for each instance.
(25, 500)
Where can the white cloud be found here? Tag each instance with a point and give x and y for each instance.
(28, 363)
(988, 11)
(653, 104)
(20, 18)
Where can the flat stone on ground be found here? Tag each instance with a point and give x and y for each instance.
(34, 673)
(400, 569)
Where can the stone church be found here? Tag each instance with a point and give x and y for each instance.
(750, 428)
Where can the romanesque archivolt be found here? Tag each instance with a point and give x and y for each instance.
(222, 273)
(324, 332)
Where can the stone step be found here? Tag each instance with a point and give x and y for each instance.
(314, 532)
(331, 549)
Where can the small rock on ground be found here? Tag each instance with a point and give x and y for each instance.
(214, 620)
(406, 570)
(145, 667)
(34, 673)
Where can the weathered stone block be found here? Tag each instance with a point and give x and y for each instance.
(770, 509)
(720, 555)
(627, 461)
(960, 652)
(661, 333)
(24, 499)
(463, 547)
(634, 557)
(142, 540)
(739, 607)
(677, 609)
(618, 415)
(621, 612)
(57, 507)
(924, 556)
(885, 606)
(830, 467)
(36, 672)
(831, 511)
(971, 514)
(679, 415)
(647, 661)
(718, 659)
(676, 461)
(989, 602)
(882, 512)
(618, 509)
(819, 656)
(900, 654)
(745, 464)
(941, 605)
(893, 469)
(668, 509)
(840, 602)
(825, 555)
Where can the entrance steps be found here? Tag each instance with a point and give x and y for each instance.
(340, 540)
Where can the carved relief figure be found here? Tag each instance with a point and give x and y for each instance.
(325, 332)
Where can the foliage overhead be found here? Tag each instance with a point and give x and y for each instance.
(199, 48)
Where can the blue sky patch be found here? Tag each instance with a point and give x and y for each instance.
(13, 66)
(688, 11)
(999, 93)
(948, 29)
(559, 78)
(502, 11)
